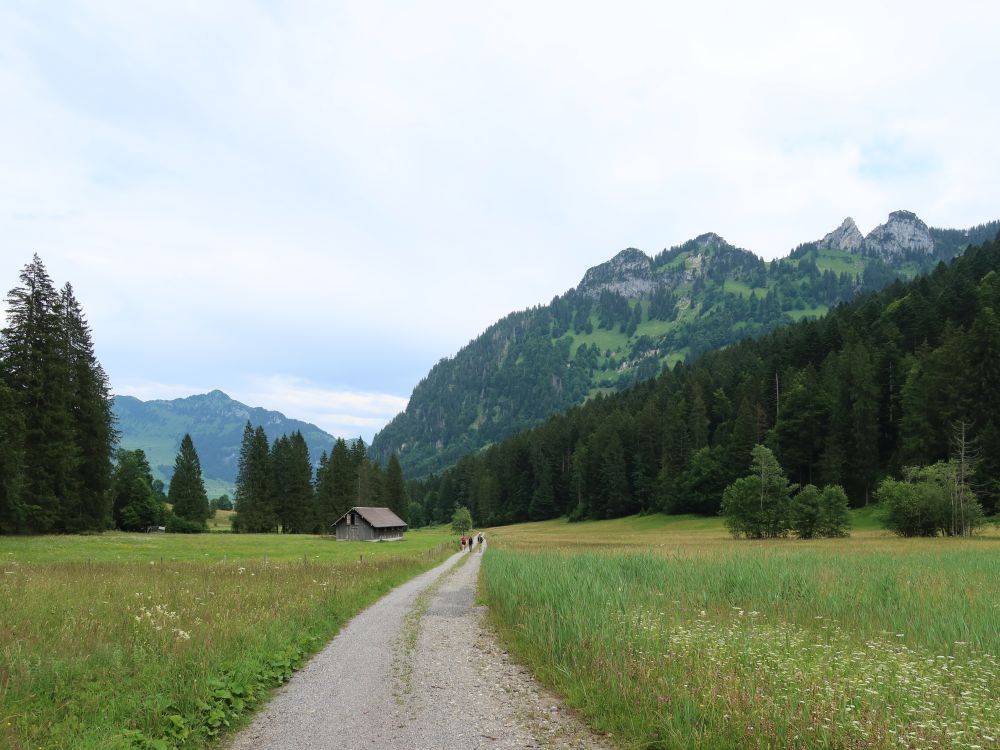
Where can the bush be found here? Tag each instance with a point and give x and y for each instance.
(820, 513)
(178, 525)
(923, 503)
(758, 506)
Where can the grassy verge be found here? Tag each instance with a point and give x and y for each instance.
(859, 643)
(150, 654)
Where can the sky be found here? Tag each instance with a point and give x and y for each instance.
(307, 205)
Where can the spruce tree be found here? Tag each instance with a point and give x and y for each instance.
(12, 509)
(343, 480)
(187, 489)
(323, 498)
(92, 422)
(35, 368)
(293, 474)
(254, 512)
(395, 489)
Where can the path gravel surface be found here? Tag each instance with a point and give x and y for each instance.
(418, 670)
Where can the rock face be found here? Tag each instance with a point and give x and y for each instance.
(847, 237)
(630, 273)
(903, 234)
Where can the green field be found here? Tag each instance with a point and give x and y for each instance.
(668, 634)
(162, 640)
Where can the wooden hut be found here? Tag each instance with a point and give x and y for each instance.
(369, 525)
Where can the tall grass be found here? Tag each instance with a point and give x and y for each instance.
(763, 646)
(154, 654)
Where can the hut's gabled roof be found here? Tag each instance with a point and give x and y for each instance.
(379, 518)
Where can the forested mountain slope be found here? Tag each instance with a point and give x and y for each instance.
(631, 316)
(876, 385)
(215, 423)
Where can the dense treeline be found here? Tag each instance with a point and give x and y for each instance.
(276, 491)
(875, 386)
(56, 426)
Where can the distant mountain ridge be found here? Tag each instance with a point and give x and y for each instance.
(634, 314)
(215, 422)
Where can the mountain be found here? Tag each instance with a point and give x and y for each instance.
(633, 315)
(215, 423)
(883, 382)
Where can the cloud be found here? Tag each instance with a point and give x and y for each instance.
(350, 191)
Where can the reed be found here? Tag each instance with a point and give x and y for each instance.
(763, 645)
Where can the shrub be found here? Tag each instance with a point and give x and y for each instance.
(178, 525)
(925, 503)
(835, 516)
(758, 506)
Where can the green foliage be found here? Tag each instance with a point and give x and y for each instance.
(925, 503)
(816, 513)
(135, 506)
(758, 506)
(186, 494)
(177, 525)
(461, 520)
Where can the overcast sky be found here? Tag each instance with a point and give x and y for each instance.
(307, 205)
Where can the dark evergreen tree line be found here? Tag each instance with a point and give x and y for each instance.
(56, 426)
(875, 386)
(276, 490)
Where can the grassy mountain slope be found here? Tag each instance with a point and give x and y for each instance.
(215, 423)
(633, 315)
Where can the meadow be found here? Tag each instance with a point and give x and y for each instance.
(668, 634)
(160, 641)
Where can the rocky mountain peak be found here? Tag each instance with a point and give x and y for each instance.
(904, 233)
(847, 237)
(629, 273)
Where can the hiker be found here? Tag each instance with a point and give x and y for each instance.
(463, 542)
(480, 544)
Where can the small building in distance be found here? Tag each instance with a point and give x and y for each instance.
(369, 525)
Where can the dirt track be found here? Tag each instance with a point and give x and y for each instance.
(418, 670)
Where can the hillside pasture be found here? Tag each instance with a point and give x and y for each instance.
(669, 634)
(159, 641)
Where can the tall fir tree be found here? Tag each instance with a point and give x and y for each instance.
(394, 494)
(293, 474)
(12, 510)
(255, 513)
(187, 488)
(92, 421)
(343, 480)
(35, 368)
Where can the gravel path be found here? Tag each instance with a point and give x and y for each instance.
(418, 670)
